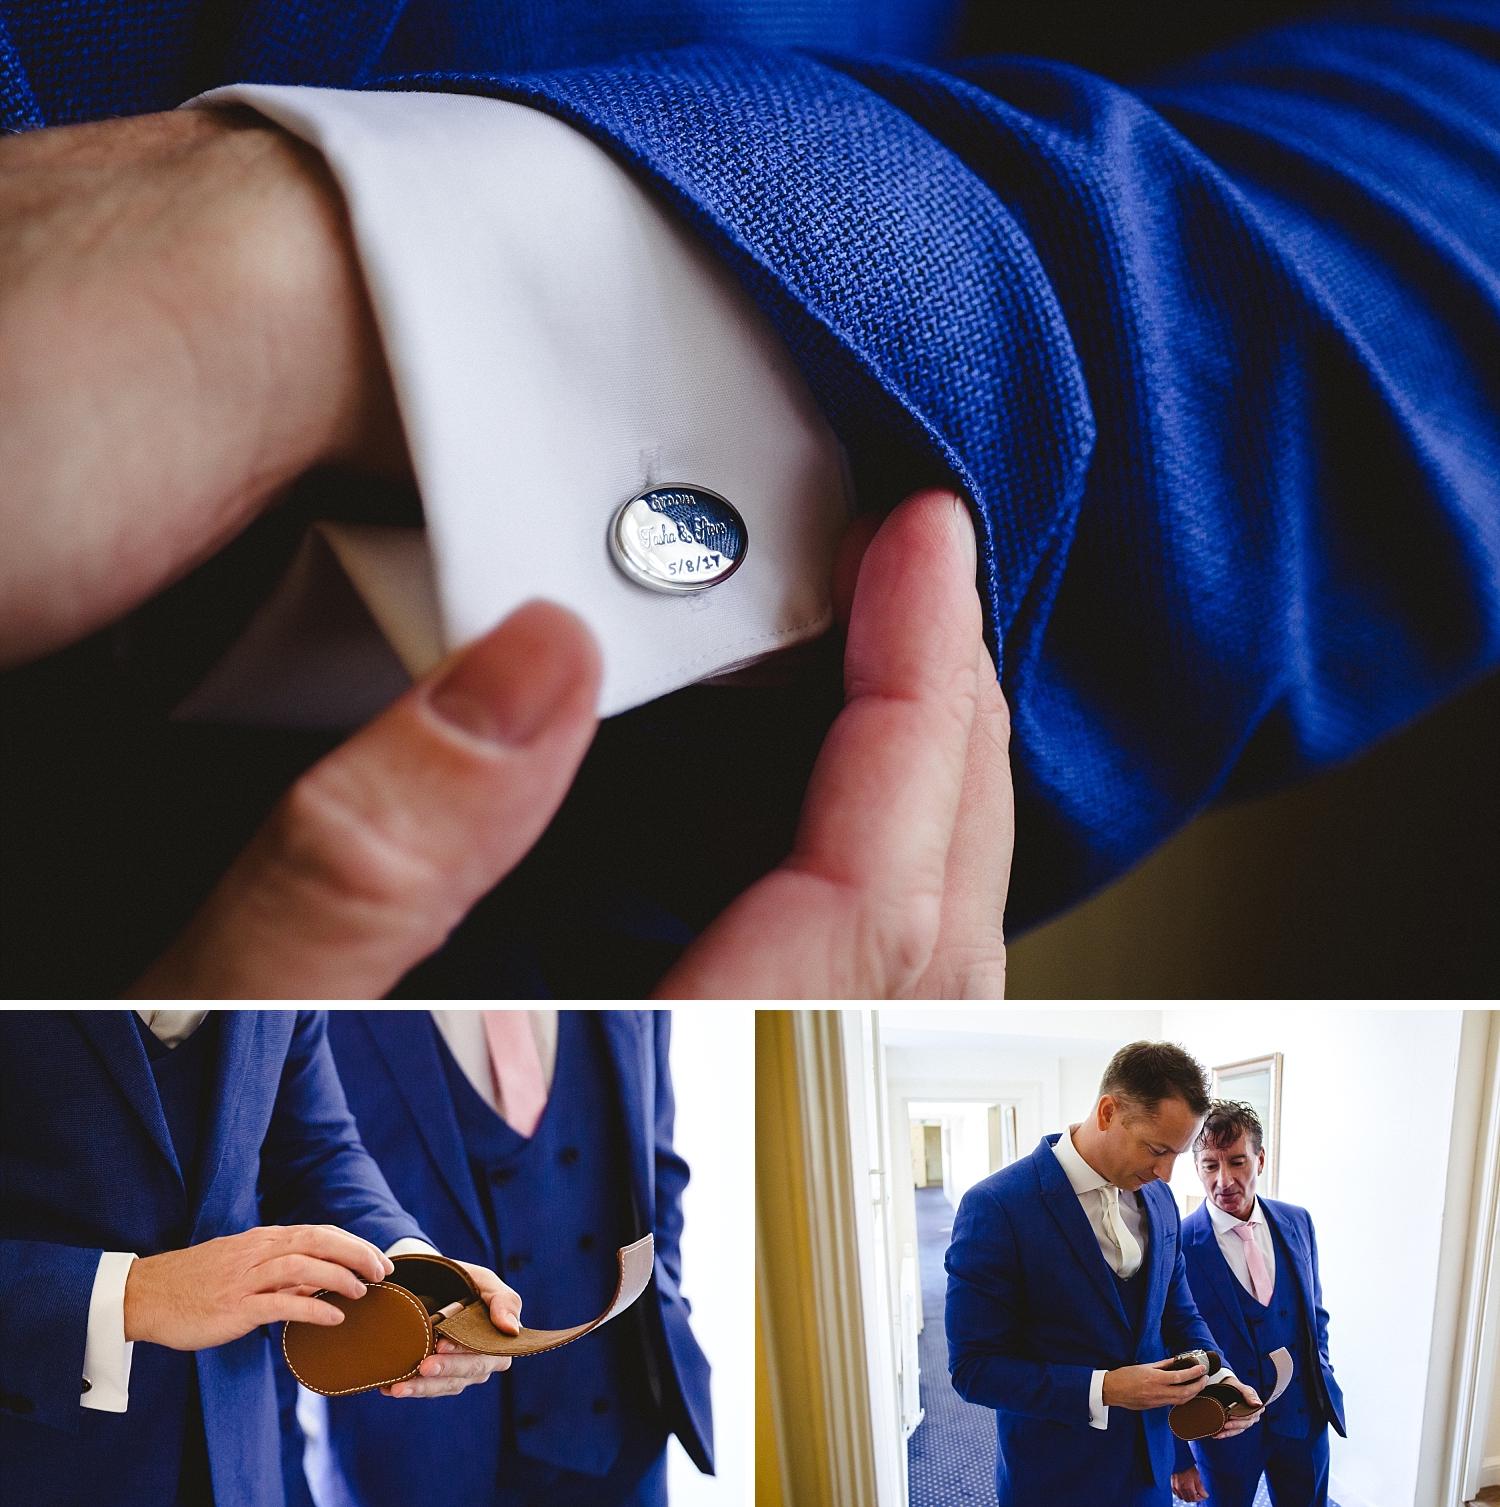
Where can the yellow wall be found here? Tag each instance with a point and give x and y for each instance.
(788, 1362)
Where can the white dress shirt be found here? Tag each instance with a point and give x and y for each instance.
(106, 1352)
(559, 341)
(1087, 1184)
(1234, 1248)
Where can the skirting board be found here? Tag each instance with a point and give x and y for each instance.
(1489, 1471)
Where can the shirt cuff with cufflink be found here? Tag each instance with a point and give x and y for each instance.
(559, 342)
(107, 1353)
(1098, 1413)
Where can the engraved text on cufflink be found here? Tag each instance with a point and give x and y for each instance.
(678, 539)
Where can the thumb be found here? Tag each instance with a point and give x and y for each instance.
(376, 853)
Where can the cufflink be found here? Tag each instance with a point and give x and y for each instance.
(678, 539)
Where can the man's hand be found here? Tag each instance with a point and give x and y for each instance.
(455, 1367)
(896, 884)
(1239, 1425)
(212, 1293)
(184, 331)
(1141, 1388)
(379, 851)
(1188, 1485)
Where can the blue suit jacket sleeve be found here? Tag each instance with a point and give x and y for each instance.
(44, 1321)
(987, 1320)
(1213, 359)
(314, 1168)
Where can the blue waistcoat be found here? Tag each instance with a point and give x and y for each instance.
(574, 1407)
(1282, 1323)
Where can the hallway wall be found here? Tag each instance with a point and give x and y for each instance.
(1367, 1109)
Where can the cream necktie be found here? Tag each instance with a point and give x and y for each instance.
(1126, 1243)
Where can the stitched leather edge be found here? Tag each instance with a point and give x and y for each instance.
(369, 1386)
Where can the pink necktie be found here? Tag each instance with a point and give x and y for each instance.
(1260, 1278)
(517, 1067)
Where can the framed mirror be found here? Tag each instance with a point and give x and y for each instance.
(1257, 1082)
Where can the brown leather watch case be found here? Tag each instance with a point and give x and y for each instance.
(1209, 1411)
(388, 1333)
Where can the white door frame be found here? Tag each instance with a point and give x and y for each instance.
(1466, 1321)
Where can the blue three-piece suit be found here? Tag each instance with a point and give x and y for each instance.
(587, 1423)
(1290, 1444)
(1214, 349)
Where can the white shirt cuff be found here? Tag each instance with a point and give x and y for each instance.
(106, 1351)
(559, 342)
(409, 1245)
(1098, 1413)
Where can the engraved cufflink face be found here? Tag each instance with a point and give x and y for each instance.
(678, 539)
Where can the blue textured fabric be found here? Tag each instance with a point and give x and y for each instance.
(424, 1127)
(1033, 1311)
(88, 1165)
(1215, 355)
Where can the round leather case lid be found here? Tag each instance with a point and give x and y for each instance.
(385, 1336)
(1209, 1411)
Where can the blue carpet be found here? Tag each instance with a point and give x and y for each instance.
(952, 1454)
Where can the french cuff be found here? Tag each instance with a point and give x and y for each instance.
(559, 342)
(1098, 1413)
(106, 1351)
(409, 1245)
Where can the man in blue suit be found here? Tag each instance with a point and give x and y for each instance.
(536, 1142)
(174, 1187)
(1067, 1295)
(1252, 1264)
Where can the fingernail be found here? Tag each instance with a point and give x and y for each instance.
(966, 531)
(437, 1368)
(506, 688)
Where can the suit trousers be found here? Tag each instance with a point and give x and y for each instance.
(1296, 1472)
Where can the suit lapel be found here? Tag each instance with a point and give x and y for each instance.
(113, 1035)
(1199, 1229)
(1062, 1203)
(246, 1038)
(1291, 1239)
(627, 1034)
(407, 1041)
(1163, 1254)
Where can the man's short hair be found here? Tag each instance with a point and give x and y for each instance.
(1227, 1119)
(1144, 1073)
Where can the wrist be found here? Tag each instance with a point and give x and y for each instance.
(139, 1306)
(216, 342)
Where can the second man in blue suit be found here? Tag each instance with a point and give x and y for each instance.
(1252, 1264)
(544, 1140)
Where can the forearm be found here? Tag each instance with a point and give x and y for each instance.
(183, 331)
